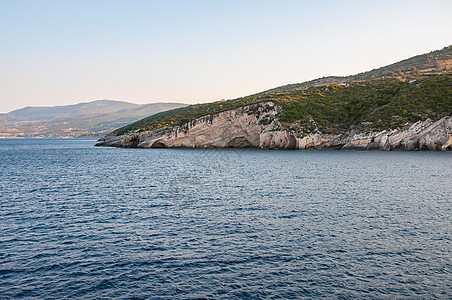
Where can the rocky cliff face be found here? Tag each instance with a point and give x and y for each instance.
(257, 126)
(422, 135)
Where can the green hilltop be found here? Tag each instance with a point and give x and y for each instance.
(386, 98)
(435, 62)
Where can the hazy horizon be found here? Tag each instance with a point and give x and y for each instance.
(83, 102)
(62, 53)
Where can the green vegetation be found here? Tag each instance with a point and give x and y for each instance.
(435, 62)
(180, 116)
(385, 98)
(370, 105)
(379, 104)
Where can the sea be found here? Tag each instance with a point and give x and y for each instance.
(83, 222)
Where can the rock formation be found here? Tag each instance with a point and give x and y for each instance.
(257, 126)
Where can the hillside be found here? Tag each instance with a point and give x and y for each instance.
(377, 104)
(435, 62)
(386, 101)
(79, 120)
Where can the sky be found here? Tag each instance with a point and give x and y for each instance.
(193, 51)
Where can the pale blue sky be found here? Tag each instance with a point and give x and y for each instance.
(64, 52)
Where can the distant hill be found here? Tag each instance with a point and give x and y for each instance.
(87, 119)
(81, 109)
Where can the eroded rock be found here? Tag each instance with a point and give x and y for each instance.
(248, 127)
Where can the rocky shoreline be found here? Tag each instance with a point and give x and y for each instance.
(257, 126)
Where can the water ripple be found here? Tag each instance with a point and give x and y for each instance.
(85, 222)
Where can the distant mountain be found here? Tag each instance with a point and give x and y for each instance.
(81, 109)
(93, 118)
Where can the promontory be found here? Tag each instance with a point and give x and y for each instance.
(403, 106)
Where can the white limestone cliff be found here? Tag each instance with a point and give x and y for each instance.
(257, 126)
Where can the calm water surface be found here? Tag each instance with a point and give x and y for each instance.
(84, 222)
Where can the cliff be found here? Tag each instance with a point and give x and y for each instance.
(406, 106)
(249, 127)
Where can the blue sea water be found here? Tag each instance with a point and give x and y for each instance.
(98, 223)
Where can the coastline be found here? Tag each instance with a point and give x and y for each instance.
(243, 128)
